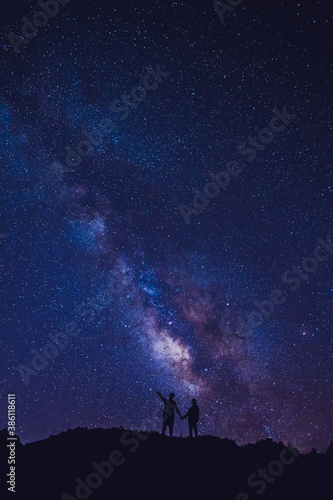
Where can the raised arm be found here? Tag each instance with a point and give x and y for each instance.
(160, 395)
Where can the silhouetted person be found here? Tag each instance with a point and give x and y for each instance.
(170, 406)
(193, 417)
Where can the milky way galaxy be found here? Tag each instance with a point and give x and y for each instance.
(122, 271)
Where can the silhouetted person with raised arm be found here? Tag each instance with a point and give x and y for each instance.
(193, 418)
(170, 406)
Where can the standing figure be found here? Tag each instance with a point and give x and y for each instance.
(170, 406)
(193, 417)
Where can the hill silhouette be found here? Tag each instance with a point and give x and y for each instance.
(107, 464)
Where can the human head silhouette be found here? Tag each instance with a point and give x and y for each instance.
(194, 401)
(171, 395)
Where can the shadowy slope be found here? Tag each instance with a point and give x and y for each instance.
(119, 464)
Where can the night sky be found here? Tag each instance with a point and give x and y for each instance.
(157, 244)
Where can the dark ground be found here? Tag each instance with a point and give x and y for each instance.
(151, 466)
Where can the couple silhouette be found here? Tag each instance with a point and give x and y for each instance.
(170, 406)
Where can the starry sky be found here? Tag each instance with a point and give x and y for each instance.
(153, 281)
